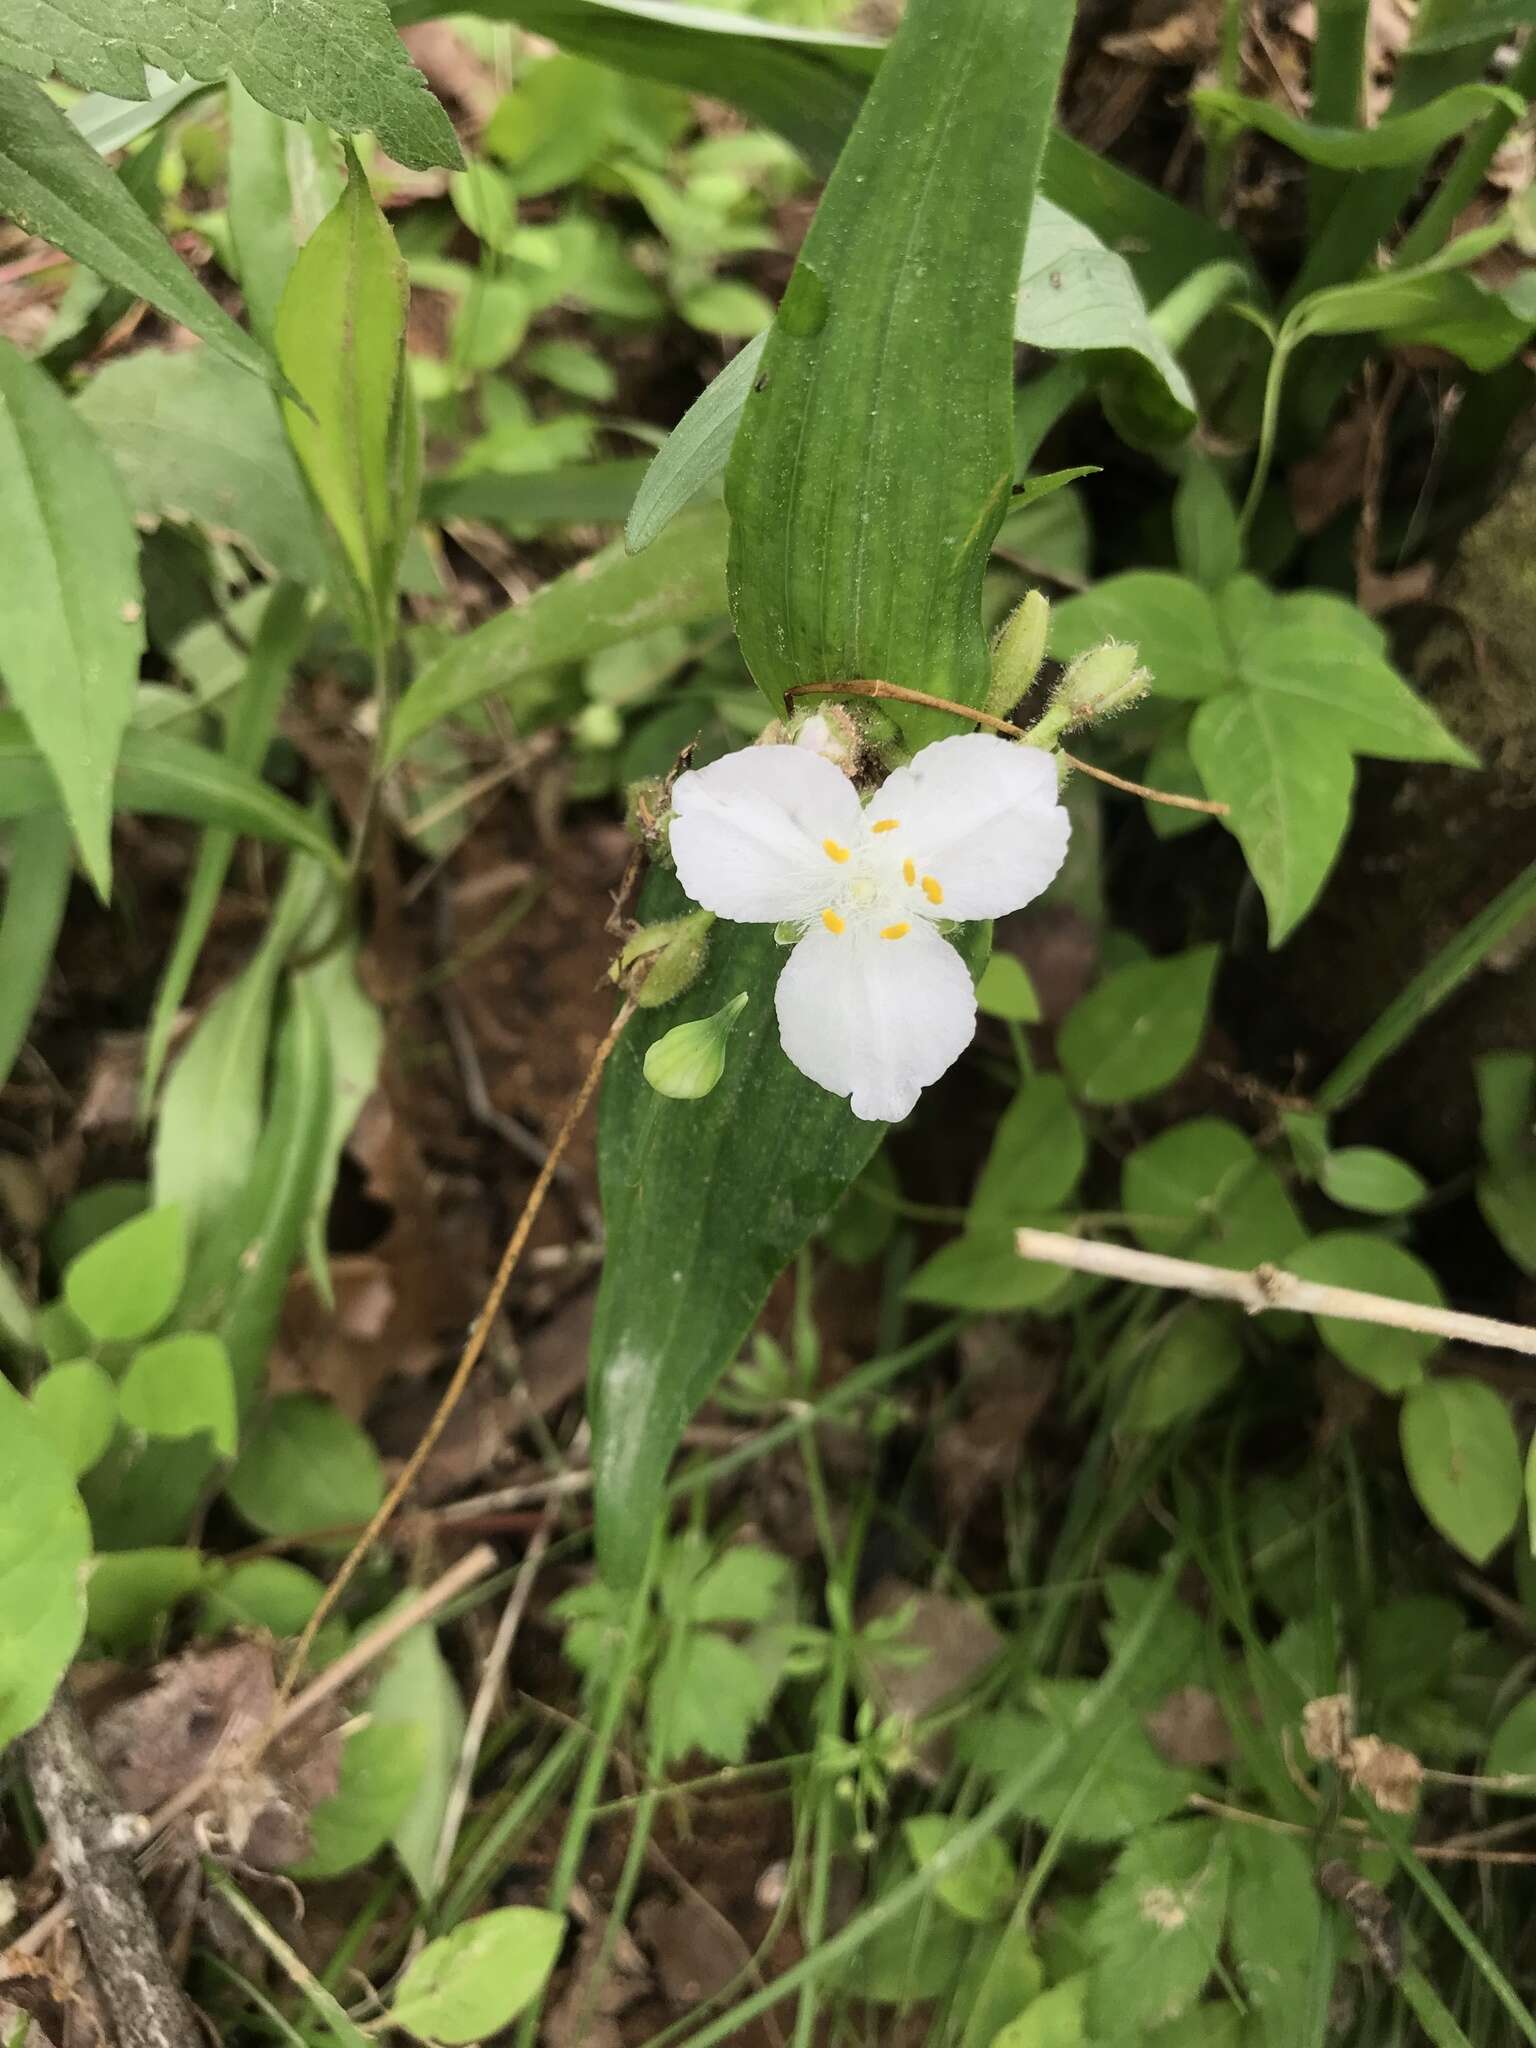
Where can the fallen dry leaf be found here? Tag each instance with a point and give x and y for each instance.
(1391, 1774)
(1327, 1726)
(204, 1708)
(1189, 1729)
(957, 1640)
(697, 1954)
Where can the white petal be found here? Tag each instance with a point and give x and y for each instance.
(748, 832)
(875, 1019)
(981, 816)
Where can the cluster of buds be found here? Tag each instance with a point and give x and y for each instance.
(661, 962)
(1096, 685)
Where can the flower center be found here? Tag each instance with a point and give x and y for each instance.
(880, 888)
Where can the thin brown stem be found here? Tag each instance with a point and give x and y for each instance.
(900, 694)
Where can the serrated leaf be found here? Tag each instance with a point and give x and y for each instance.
(1131, 1785)
(709, 1698)
(1390, 1359)
(1138, 1028)
(339, 60)
(54, 185)
(1276, 1925)
(1396, 139)
(71, 604)
(1463, 1462)
(45, 1540)
(127, 1283)
(1156, 1926)
(745, 1583)
(1288, 782)
(196, 442)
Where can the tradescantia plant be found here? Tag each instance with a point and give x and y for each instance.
(870, 471)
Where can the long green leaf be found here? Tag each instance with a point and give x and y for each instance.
(42, 860)
(71, 604)
(1396, 140)
(166, 778)
(874, 460)
(279, 638)
(339, 60)
(53, 184)
(1075, 296)
(610, 598)
(341, 341)
(283, 180)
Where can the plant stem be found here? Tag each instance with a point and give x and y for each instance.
(1338, 78)
(294, 1968)
(1218, 156)
(1460, 185)
(1433, 985)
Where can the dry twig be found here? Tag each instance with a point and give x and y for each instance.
(1269, 1287)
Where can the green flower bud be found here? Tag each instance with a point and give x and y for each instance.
(1017, 653)
(688, 1061)
(662, 961)
(1099, 683)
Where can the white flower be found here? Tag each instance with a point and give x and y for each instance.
(874, 1003)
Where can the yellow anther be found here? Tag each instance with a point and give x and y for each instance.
(885, 825)
(932, 890)
(895, 931)
(909, 872)
(833, 851)
(833, 922)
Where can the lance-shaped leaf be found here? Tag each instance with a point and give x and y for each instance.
(873, 463)
(53, 184)
(341, 340)
(339, 60)
(71, 605)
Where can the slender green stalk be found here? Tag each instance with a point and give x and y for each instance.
(1338, 93)
(1427, 2007)
(1190, 304)
(1461, 183)
(1269, 422)
(1396, 1838)
(1219, 149)
(1041, 402)
(1435, 984)
(999, 1810)
(325, 2004)
(499, 1840)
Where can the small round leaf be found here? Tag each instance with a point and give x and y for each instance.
(182, 1386)
(474, 1980)
(77, 1405)
(126, 1283)
(1463, 1463)
(304, 1466)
